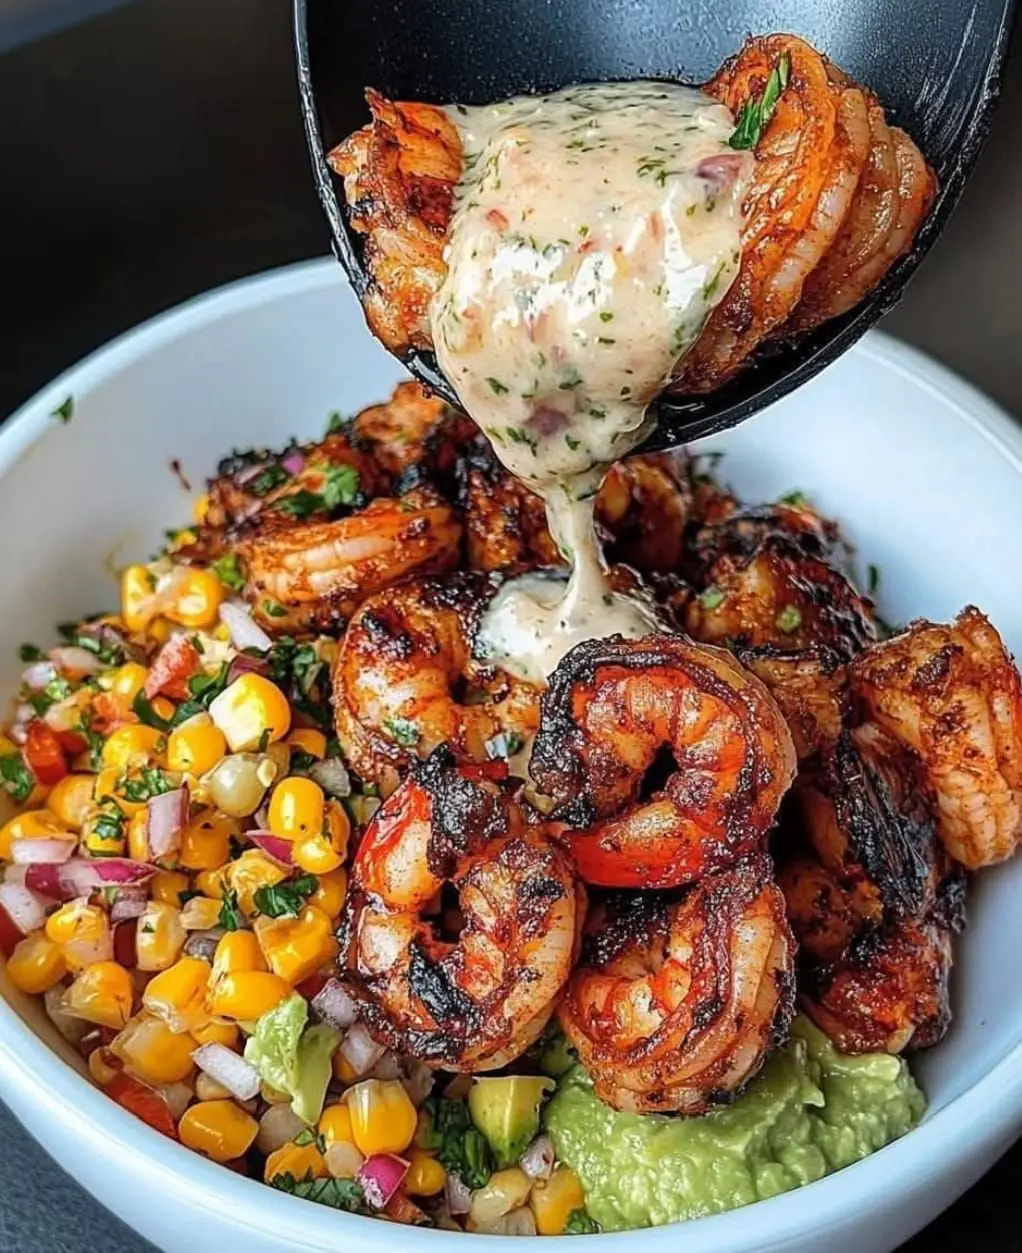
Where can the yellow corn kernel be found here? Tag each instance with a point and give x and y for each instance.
(159, 937)
(167, 886)
(178, 994)
(320, 853)
(219, 1129)
(36, 965)
(195, 747)
(80, 929)
(104, 1066)
(335, 1125)
(164, 707)
(102, 993)
(225, 1033)
(198, 599)
(299, 1160)
(344, 1071)
(99, 840)
(159, 630)
(237, 951)
(247, 995)
(207, 1089)
(506, 1190)
(296, 947)
(206, 841)
(330, 892)
(308, 740)
(426, 1176)
(138, 597)
(201, 914)
(296, 808)
(134, 744)
(153, 1052)
(200, 507)
(127, 681)
(30, 825)
(553, 1200)
(7, 746)
(211, 882)
(250, 872)
(70, 799)
(249, 708)
(138, 838)
(382, 1116)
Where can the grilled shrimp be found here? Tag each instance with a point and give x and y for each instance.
(765, 581)
(475, 1003)
(406, 680)
(811, 690)
(674, 1005)
(399, 176)
(414, 437)
(642, 508)
(505, 524)
(667, 758)
(809, 158)
(889, 989)
(314, 575)
(952, 696)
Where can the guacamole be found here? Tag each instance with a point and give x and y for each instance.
(812, 1110)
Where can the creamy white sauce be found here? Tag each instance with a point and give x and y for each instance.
(594, 231)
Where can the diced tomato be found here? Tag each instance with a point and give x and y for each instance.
(72, 743)
(175, 664)
(496, 769)
(143, 1102)
(44, 754)
(109, 712)
(124, 942)
(312, 986)
(10, 935)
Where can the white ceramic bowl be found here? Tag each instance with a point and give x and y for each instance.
(924, 473)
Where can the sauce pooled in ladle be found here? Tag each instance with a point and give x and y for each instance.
(594, 231)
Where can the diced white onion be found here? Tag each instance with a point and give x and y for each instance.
(74, 1030)
(332, 776)
(228, 1069)
(178, 1097)
(538, 1159)
(334, 1005)
(26, 909)
(75, 660)
(244, 632)
(343, 1160)
(277, 1127)
(361, 1050)
(37, 675)
(458, 1195)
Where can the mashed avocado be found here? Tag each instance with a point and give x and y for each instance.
(811, 1110)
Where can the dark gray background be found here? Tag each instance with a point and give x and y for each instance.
(155, 151)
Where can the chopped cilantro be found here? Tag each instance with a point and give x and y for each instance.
(345, 1194)
(497, 387)
(228, 570)
(460, 1146)
(755, 114)
(285, 900)
(149, 782)
(579, 1223)
(789, 619)
(873, 573)
(340, 486)
(269, 478)
(796, 499)
(18, 780)
(301, 504)
(274, 609)
(143, 710)
(402, 731)
(336, 424)
(30, 652)
(230, 915)
(64, 412)
(606, 316)
(573, 442)
(301, 761)
(711, 598)
(307, 1137)
(109, 824)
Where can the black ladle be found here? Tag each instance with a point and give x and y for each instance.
(934, 64)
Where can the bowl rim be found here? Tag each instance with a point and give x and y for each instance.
(31, 1074)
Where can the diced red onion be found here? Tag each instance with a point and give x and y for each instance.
(334, 1006)
(71, 657)
(332, 776)
(166, 818)
(273, 846)
(228, 1069)
(26, 909)
(124, 939)
(360, 1049)
(538, 1159)
(293, 462)
(42, 878)
(48, 850)
(380, 1176)
(244, 632)
(37, 675)
(110, 638)
(178, 1097)
(130, 903)
(82, 875)
(203, 943)
(457, 1194)
(721, 170)
(277, 1127)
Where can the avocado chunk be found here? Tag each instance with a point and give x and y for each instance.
(506, 1111)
